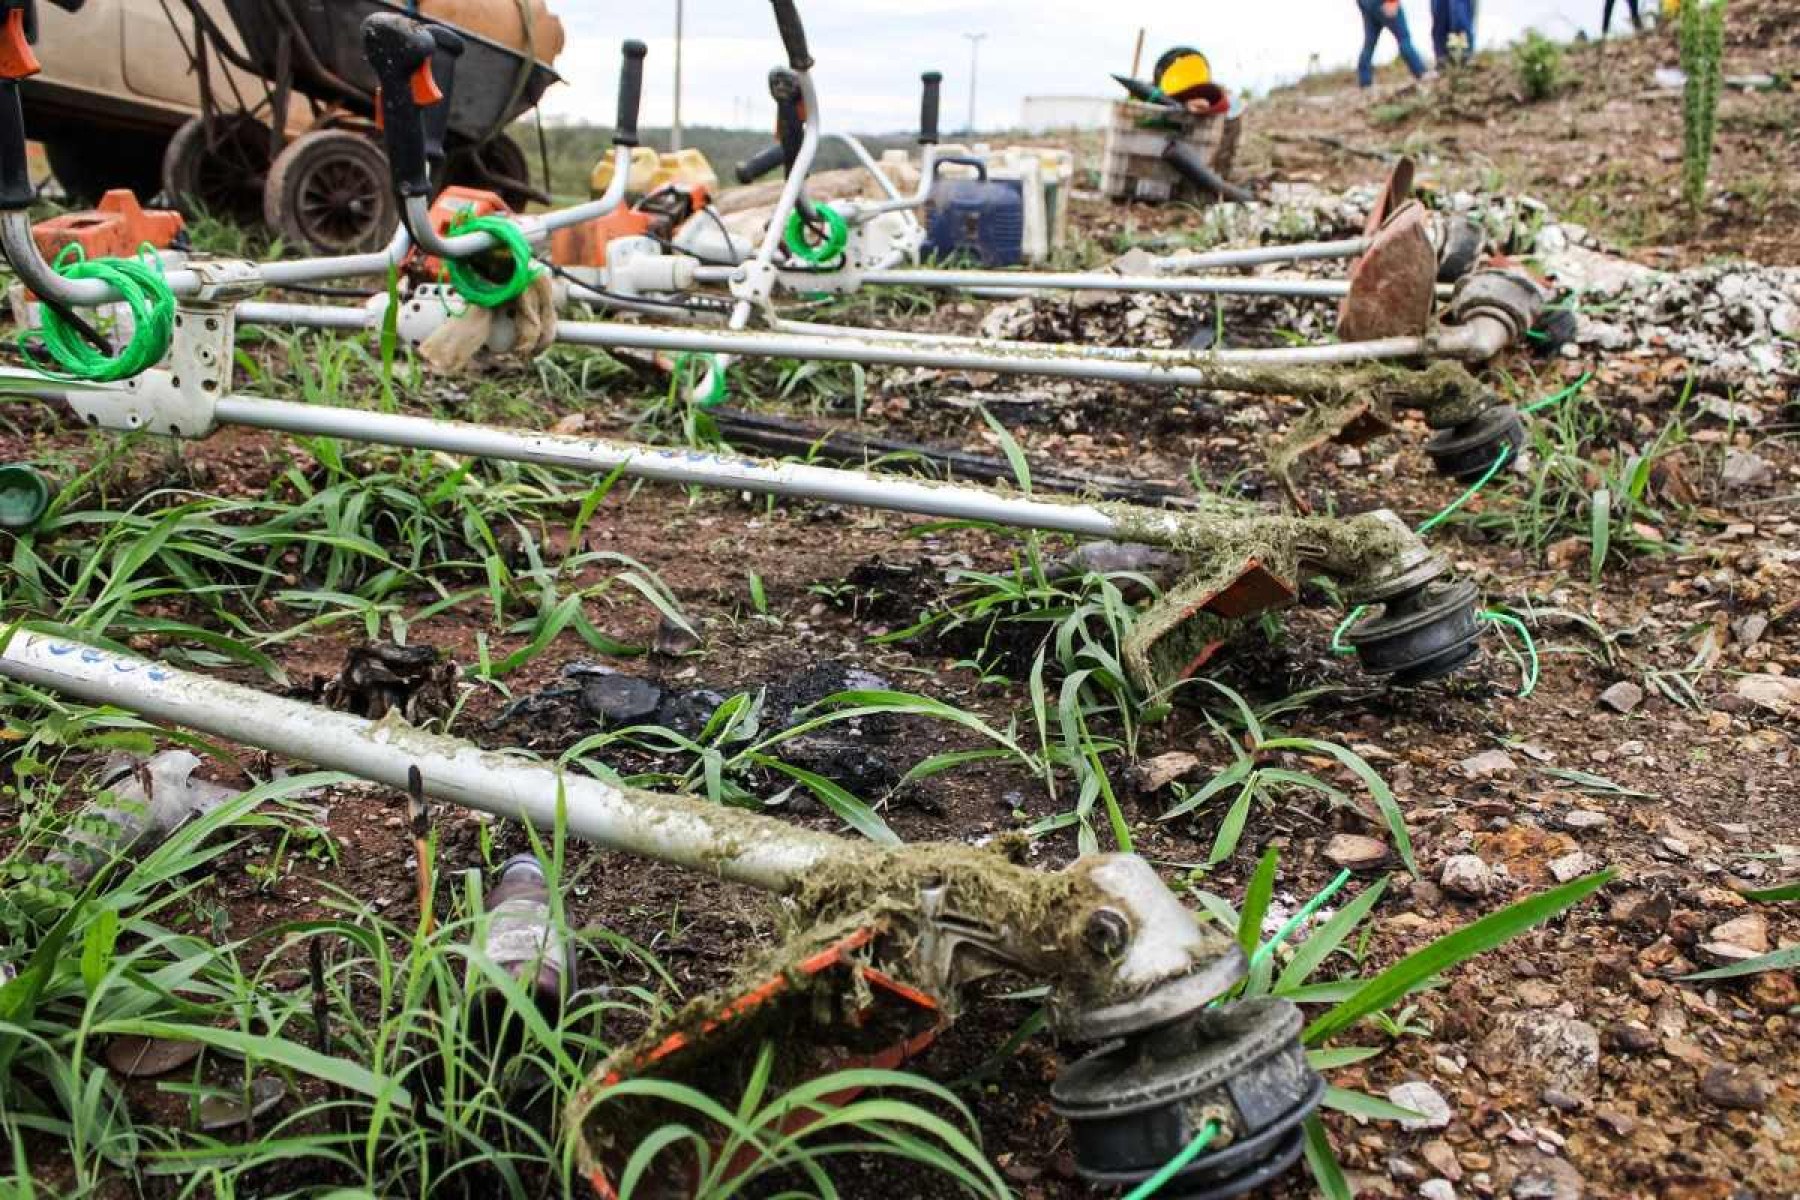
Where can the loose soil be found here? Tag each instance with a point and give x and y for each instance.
(1698, 799)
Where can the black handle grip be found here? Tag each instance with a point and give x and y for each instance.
(790, 114)
(436, 119)
(397, 47)
(631, 93)
(980, 164)
(928, 107)
(793, 35)
(16, 191)
(760, 163)
(1192, 163)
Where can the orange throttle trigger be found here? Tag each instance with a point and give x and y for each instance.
(425, 91)
(17, 61)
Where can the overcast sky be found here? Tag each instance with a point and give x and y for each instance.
(870, 52)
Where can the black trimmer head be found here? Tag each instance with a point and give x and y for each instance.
(1135, 1104)
(1428, 626)
(1466, 451)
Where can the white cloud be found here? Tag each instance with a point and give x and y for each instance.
(870, 52)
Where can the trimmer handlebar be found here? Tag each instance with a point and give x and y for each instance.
(793, 35)
(759, 164)
(928, 107)
(631, 93)
(401, 51)
(436, 117)
(18, 30)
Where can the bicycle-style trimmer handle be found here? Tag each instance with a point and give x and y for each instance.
(790, 115)
(436, 117)
(400, 50)
(759, 164)
(18, 30)
(631, 92)
(793, 35)
(928, 107)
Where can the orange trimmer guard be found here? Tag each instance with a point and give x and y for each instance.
(1176, 636)
(821, 1001)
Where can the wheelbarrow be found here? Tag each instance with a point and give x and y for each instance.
(888, 940)
(326, 187)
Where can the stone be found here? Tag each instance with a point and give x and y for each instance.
(1434, 1111)
(1744, 469)
(1731, 1086)
(1732, 411)
(1467, 876)
(1622, 697)
(1749, 630)
(1441, 1157)
(1581, 820)
(1437, 1189)
(1751, 931)
(620, 699)
(1155, 774)
(1487, 764)
(1641, 909)
(1776, 693)
(1572, 866)
(1559, 1051)
(674, 638)
(1534, 1175)
(1355, 852)
(1617, 1123)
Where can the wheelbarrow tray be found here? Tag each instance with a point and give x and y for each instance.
(328, 63)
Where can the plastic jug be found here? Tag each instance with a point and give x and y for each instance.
(651, 170)
(981, 218)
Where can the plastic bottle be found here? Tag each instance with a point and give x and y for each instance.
(521, 939)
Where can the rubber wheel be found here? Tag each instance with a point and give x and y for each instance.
(215, 166)
(329, 192)
(89, 167)
(498, 158)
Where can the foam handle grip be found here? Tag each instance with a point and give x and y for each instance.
(793, 35)
(631, 93)
(760, 163)
(16, 191)
(396, 48)
(928, 107)
(436, 119)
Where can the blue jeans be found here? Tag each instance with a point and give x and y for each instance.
(1448, 17)
(1374, 21)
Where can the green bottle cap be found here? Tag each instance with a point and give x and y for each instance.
(24, 495)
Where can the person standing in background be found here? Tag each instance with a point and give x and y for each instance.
(1451, 19)
(1631, 6)
(1378, 15)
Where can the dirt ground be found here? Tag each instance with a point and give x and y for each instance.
(1695, 1090)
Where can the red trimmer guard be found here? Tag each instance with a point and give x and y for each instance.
(1393, 286)
(830, 1010)
(1178, 634)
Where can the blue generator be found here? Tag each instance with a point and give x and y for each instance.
(979, 218)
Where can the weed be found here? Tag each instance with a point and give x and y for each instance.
(1703, 63)
(1538, 62)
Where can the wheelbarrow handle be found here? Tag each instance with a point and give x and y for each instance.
(793, 34)
(631, 92)
(928, 107)
(400, 51)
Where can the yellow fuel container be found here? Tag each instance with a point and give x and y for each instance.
(651, 170)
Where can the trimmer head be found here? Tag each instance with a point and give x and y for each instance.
(1466, 451)
(1393, 286)
(1428, 625)
(1135, 1104)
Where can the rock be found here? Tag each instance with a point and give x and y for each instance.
(1784, 319)
(1572, 866)
(1744, 469)
(1616, 1122)
(1751, 931)
(1776, 693)
(1530, 1174)
(618, 700)
(1722, 954)
(1749, 630)
(1640, 909)
(1560, 1100)
(1437, 1189)
(1467, 876)
(688, 712)
(1488, 763)
(1442, 1159)
(1581, 820)
(1155, 774)
(674, 638)
(1622, 697)
(1559, 1051)
(1356, 852)
(234, 1108)
(1434, 1111)
(1624, 1038)
(1731, 411)
(1774, 991)
(1731, 1086)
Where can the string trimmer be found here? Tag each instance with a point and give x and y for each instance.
(885, 942)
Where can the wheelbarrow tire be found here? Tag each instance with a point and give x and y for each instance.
(486, 165)
(329, 193)
(90, 165)
(215, 166)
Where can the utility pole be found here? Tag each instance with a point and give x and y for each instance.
(675, 125)
(975, 40)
